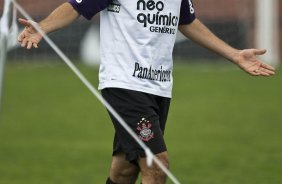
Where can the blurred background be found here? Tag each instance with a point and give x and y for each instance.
(224, 126)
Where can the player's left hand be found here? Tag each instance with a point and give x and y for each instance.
(248, 61)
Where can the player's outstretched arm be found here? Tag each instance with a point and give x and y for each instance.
(59, 18)
(245, 59)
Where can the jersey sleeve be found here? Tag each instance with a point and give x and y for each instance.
(89, 8)
(187, 12)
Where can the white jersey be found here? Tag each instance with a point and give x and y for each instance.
(137, 40)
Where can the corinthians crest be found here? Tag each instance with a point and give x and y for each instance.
(144, 130)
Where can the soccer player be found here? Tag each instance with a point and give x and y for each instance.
(137, 39)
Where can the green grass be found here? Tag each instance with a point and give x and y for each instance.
(224, 127)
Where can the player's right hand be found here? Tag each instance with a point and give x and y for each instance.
(29, 37)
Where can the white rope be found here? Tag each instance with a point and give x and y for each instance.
(149, 155)
(3, 51)
(4, 32)
(4, 22)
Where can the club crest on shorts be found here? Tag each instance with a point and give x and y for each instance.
(144, 130)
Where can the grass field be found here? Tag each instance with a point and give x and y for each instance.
(224, 127)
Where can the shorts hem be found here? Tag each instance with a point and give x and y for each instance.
(133, 156)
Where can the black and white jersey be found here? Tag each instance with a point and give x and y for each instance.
(137, 40)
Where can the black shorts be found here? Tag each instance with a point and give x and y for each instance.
(145, 113)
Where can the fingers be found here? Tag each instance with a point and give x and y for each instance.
(259, 73)
(21, 37)
(262, 72)
(24, 42)
(29, 43)
(29, 37)
(266, 71)
(268, 67)
(263, 69)
(24, 22)
(253, 73)
(260, 51)
(35, 45)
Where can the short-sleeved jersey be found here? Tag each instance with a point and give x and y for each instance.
(137, 39)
